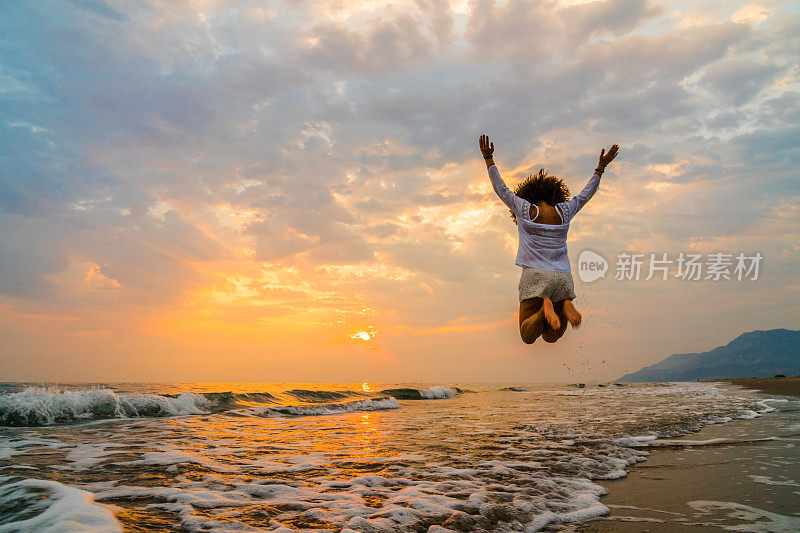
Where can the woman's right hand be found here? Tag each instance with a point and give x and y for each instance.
(606, 158)
(487, 148)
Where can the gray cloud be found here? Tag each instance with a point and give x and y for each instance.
(385, 46)
(739, 80)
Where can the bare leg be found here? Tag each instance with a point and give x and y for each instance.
(550, 315)
(552, 335)
(572, 314)
(531, 319)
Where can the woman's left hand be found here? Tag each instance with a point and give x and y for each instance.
(487, 148)
(606, 158)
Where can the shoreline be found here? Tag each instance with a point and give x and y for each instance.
(788, 386)
(741, 473)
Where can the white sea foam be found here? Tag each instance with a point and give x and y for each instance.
(408, 503)
(172, 456)
(756, 520)
(650, 509)
(686, 442)
(640, 440)
(438, 393)
(10, 447)
(88, 455)
(718, 419)
(766, 480)
(374, 404)
(36, 406)
(50, 507)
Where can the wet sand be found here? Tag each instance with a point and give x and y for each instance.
(788, 386)
(748, 480)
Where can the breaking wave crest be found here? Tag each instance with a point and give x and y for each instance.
(44, 406)
(373, 404)
(438, 392)
(36, 406)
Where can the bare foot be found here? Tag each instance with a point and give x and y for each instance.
(550, 314)
(573, 315)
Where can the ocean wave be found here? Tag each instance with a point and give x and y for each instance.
(438, 392)
(373, 404)
(403, 394)
(40, 505)
(37, 406)
(321, 395)
(402, 472)
(236, 398)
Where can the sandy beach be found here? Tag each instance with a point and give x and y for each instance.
(703, 481)
(788, 386)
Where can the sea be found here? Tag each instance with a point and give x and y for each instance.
(349, 457)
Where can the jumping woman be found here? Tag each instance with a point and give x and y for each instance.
(541, 209)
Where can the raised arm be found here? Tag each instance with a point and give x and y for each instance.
(571, 207)
(520, 207)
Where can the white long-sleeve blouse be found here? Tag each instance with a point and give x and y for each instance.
(542, 245)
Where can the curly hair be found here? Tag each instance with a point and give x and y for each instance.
(541, 188)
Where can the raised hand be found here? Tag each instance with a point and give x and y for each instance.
(487, 148)
(606, 158)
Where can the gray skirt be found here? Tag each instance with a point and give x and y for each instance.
(539, 283)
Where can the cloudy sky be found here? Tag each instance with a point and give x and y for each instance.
(293, 191)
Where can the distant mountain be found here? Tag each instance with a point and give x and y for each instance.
(754, 354)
